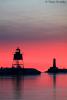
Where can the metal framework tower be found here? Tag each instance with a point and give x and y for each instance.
(18, 57)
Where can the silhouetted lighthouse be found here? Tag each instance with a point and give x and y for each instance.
(17, 58)
(54, 63)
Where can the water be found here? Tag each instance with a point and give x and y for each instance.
(42, 87)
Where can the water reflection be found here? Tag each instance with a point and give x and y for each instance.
(18, 87)
(45, 87)
(54, 86)
(22, 86)
(53, 78)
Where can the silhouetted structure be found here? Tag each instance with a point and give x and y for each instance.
(18, 71)
(17, 58)
(54, 63)
(18, 68)
(54, 69)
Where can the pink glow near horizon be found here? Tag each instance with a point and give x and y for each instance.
(37, 56)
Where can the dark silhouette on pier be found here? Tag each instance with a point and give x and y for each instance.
(54, 69)
(18, 71)
(18, 56)
(17, 68)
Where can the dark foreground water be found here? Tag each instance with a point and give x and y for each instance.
(43, 87)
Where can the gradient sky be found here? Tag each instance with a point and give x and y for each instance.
(38, 28)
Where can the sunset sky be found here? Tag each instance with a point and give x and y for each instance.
(38, 28)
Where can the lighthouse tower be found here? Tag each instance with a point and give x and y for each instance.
(54, 63)
(18, 59)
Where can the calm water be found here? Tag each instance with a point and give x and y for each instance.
(43, 87)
